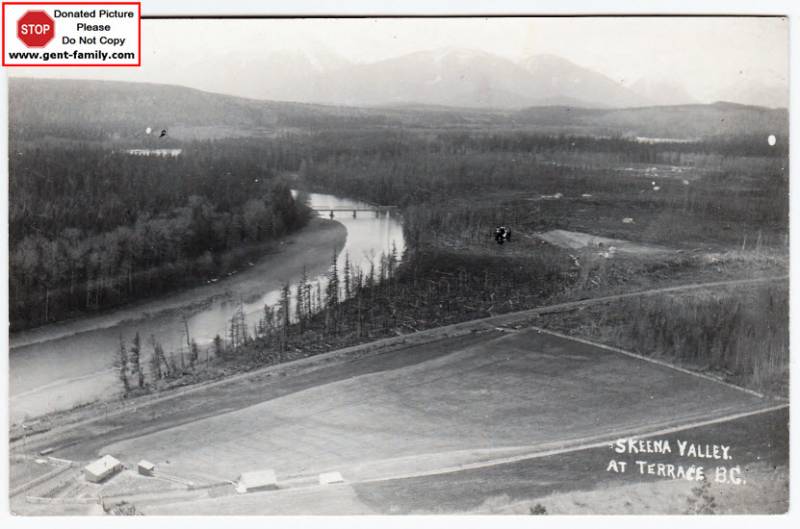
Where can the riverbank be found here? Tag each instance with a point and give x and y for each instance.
(311, 244)
(87, 349)
(46, 428)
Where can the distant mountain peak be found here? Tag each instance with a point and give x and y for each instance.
(569, 81)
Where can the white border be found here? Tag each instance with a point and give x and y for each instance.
(433, 7)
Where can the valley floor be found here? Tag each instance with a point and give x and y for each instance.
(487, 403)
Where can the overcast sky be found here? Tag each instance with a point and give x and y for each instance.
(705, 55)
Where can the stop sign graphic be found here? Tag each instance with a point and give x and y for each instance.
(35, 29)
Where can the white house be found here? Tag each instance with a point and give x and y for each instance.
(257, 480)
(102, 469)
(329, 478)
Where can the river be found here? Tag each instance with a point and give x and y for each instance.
(59, 366)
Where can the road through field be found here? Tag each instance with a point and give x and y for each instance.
(494, 395)
(472, 397)
(203, 400)
(758, 441)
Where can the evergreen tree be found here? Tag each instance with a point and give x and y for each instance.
(123, 366)
(393, 260)
(155, 366)
(194, 352)
(238, 328)
(309, 301)
(159, 359)
(332, 295)
(135, 359)
(300, 302)
(219, 347)
(268, 320)
(298, 307)
(332, 292)
(347, 274)
(284, 317)
(371, 276)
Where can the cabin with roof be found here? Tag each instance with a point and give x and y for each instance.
(102, 469)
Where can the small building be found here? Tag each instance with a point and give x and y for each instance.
(102, 469)
(329, 478)
(146, 468)
(256, 481)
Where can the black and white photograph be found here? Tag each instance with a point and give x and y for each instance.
(513, 264)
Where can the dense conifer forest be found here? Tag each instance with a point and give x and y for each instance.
(94, 227)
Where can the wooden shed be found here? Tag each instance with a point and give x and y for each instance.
(146, 468)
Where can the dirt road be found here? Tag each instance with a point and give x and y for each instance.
(203, 400)
(467, 398)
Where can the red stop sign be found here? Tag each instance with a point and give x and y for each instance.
(35, 29)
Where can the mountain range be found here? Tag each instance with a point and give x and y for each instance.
(451, 77)
(112, 110)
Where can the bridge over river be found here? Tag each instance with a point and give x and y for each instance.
(361, 208)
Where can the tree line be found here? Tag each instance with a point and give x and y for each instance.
(303, 309)
(402, 167)
(355, 304)
(92, 228)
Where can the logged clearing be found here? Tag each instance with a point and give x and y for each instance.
(576, 240)
(496, 397)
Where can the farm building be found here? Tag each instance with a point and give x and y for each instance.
(329, 478)
(102, 469)
(146, 468)
(256, 481)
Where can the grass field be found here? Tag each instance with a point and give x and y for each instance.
(575, 482)
(505, 394)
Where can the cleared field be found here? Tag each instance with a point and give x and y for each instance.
(575, 240)
(760, 445)
(496, 396)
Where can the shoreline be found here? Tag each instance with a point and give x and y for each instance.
(315, 234)
(87, 413)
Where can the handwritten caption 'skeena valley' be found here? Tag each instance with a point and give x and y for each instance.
(675, 459)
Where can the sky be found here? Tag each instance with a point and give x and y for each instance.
(705, 55)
